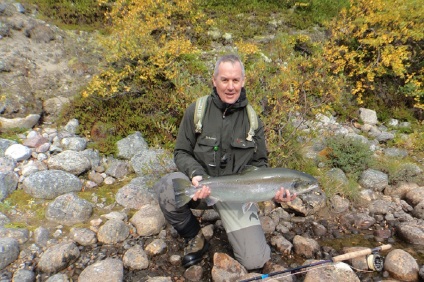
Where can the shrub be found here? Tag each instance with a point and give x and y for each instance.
(378, 49)
(347, 153)
(72, 12)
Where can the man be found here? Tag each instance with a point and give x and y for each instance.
(221, 148)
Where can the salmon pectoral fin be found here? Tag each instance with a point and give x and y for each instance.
(247, 206)
(210, 201)
(181, 189)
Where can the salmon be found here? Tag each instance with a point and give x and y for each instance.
(251, 186)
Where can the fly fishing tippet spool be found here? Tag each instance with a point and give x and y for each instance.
(375, 262)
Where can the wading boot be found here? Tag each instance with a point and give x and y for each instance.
(195, 249)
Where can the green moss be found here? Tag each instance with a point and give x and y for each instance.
(12, 133)
(32, 209)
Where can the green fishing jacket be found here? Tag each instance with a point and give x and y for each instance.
(221, 148)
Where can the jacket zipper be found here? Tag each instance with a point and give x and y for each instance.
(225, 111)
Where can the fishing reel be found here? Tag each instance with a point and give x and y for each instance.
(375, 262)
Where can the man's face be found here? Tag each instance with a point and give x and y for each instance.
(228, 82)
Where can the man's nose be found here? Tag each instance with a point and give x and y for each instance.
(230, 85)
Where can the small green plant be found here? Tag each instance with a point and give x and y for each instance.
(12, 133)
(32, 209)
(400, 170)
(6, 206)
(347, 153)
(349, 189)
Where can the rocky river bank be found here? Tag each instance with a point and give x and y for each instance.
(68, 213)
(121, 235)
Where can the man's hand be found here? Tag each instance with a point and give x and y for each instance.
(284, 195)
(201, 193)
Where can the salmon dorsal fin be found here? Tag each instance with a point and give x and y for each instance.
(249, 168)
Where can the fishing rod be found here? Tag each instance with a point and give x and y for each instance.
(374, 261)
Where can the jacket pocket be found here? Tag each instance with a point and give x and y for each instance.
(204, 151)
(242, 153)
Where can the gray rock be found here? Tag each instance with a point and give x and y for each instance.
(53, 106)
(70, 161)
(374, 179)
(95, 177)
(28, 122)
(32, 166)
(307, 204)
(74, 143)
(4, 32)
(41, 236)
(108, 270)
(281, 244)
(134, 196)
(135, 258)
(23, 275)
(19, 234)
(368, 116)
(7, 164)
(412, 233)
(8, 184)
(400, 189)
(49, 184)
(153, 162)
(415, 196)
(9, 251)
(401, 265)
(113, 231)
(3, 219)
(69, 209)
(18, 152)
(337, 175)
(156, 247)
(395, 152)
(131, 145)
(306, 247)
(419, 210)
(118, 169)
(4, 144)
(194, 273)
(339, 204)
(19, 7)
(83, 236)
(225, 268)
(72, 126)
(382, 207)
(58, 257)
(385, 136)
(93, 156)
(149, 220)
(335, 273)
(60, 277)
(34, 140)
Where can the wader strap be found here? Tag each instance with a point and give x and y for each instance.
(200, 112)
(253, 120)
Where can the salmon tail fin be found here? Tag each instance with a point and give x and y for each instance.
(182, 188)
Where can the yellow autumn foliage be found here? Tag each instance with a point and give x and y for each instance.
(377, 45)
(146, 41)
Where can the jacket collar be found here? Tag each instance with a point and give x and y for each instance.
(230, 108)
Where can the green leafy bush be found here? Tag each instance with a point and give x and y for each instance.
(347, 153)
(72, 12)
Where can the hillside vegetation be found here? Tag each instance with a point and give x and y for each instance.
(301, 57)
